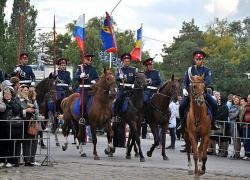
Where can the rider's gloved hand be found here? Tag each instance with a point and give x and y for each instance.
(17, 69)
(82, 75)
(185, 93)
(93, 82)
(33, 84)
(121, 76)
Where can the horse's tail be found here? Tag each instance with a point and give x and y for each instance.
(63, 102)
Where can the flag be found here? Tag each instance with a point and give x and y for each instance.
(79, 31)
(54, 28)
(136, 52)
(108, 42)
(22, 13)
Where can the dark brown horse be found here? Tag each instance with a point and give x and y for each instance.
(198, 122)
(99, 113)
(158, 112)
(46, 91)
(135, 113)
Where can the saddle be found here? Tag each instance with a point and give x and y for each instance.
(124, 105)
(87, 105)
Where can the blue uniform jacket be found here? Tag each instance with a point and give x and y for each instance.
(1, 76)
(25, 74)
(201, 70)
(154, 78)
(63, 82)
(90, 74)
(129, 75)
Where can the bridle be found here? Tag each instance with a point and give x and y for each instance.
(136, 84)
(196, 95)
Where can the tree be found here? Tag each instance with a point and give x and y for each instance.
(29, 25)
(3, 26)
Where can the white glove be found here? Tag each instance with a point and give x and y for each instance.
(93, 81)
(82, 75)
(121, 76)
(132, 86)
(33, 84)
(18, 69)
(185, 93)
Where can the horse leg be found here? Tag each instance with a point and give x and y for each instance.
(156, 139)
(187, 141)
(65, 146)
(56, 139)
(163, 134)
(204, 156)
(110, 149)
(79, 137)
(128, 153)
(193, 139)
(93, 131)
(200, 152)
(135, 147)
(138, 142)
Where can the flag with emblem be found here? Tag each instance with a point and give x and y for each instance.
(136, 52)
(108, 35)
(79, 31)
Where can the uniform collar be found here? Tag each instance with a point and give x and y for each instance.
(198, 66)
(126, 67)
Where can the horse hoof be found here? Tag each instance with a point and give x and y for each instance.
(106, 152)
(110, 155)
(128, 157)
(57, 144)
(190, 172)
(142, 160)
(137, 155)
(201, 172)
(83, 155)
(64, 148)
(149, 154)
(196, 178)
(165, 158)
(112, 150)
(77, 147)
(96, 158)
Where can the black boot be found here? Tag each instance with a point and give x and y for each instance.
(214, 125)
(181, 125)
(116, 114)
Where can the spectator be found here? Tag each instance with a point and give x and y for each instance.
(217, 96)
(27, 110)
(223, 116)
(3, 85)
(234, 117)
(172, 125)
(229, 102)
(10, 131)
(178, 133)
(15, 84)
(243, 102)
(245, 117)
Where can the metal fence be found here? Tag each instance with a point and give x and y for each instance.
(32, 139)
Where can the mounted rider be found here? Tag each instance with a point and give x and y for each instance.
(90, 76)
(197, 70)
(128, 75)
(25, 71)
(154, 80)
(63, 82)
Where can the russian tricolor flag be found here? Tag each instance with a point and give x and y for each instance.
(79, 31)
(136, 52)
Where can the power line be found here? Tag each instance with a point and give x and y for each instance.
(157, 40)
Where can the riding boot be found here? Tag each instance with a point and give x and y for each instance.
(116, 114)
(82, 121)
(214, 125)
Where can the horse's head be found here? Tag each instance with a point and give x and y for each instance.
(109, 82)
(174, 88)
(50, 87)
(197, 89)
(140, 81)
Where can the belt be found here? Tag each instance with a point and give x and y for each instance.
(25, 81)
(151, 87)
(62, 84)
(85, 85)
(126, 84)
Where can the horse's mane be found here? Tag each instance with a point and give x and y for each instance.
(94, 86)
(40, 85)
(168, 81)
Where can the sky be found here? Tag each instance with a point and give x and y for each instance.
(161, 19)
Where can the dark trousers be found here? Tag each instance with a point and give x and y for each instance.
(118, 102)
(120, 136)
(76, 126)
(172, 135)
(144, 131)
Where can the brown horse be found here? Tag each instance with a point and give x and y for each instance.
(99, 113)
(198, 123)
(158, 112)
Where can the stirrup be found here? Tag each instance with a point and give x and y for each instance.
(180, 127)
(82, 121)
(143, 121)
(118, 119)
(215, 126)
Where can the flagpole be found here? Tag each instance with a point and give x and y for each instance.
(83, 77)
(54, 32)
(110, 29)
(20, 44)
(141, 46)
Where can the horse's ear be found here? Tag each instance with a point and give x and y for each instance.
(50, 75)
(191, 77)
(179, 80)
(172, 78)
(203, 75)
(111, 70)
(104, 70)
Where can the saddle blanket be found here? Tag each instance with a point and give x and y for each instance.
(210, 113)
(51, 107)
(124, 105)
(77, 107)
